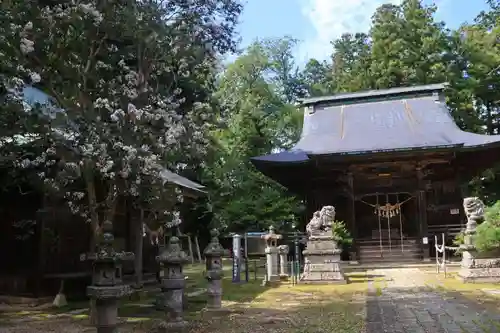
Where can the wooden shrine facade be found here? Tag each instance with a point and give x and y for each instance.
(392, 162)
(392, 198)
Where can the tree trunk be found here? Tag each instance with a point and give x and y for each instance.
(139, 245)
(94, 228)
(92, 198)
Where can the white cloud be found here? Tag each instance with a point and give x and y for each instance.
(331, 18)
(443, 8)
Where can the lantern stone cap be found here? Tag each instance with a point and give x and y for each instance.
(271, 235)
(214, 248)
(173, 253)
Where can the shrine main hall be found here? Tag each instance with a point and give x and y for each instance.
(392, 162)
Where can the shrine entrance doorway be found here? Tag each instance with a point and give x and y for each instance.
(387, 222)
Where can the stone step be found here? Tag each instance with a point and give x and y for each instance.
(388, 256)
(406, 250)
(392, 244)
(391, 255)
(388, 246)
(376, 261)
(386, 241)
(394, 253)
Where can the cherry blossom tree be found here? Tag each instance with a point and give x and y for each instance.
(124, 79)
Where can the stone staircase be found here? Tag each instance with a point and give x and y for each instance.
(370, 250)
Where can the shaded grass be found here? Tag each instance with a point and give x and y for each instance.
(296, 309)
(196, 274)
(139, 307)
(196, 277)
(256, 308)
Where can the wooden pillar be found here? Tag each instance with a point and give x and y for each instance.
(463, 189)
(422, 215)
(310, 206)
(136, 224)
(41, 218)
(423, 224)
(354, 231)
(40, 267)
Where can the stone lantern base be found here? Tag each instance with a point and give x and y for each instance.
(167, 327)
(106, 305)
(209, 313)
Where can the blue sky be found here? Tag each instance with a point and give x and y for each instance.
(316, 22)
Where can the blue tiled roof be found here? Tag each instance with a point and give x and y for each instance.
(347, 124)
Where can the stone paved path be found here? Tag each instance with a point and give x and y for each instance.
(404, 304)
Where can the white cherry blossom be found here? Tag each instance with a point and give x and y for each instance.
(117, 115)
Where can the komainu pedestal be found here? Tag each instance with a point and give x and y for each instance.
(322, 255)
(476, 267)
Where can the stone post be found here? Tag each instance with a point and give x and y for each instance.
(107, 285)
(213, 260)
(172, 259)
(272, 255)
(283, 252)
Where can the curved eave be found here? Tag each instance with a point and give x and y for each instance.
(474, 159)
(288, 168)
(289, 156)
(380, 152)
(493, 142)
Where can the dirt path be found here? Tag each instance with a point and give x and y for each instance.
(403, 301)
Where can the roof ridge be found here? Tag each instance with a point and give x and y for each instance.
(380, 93)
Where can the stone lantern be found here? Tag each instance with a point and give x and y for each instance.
(213, 260)
(173, 259)
(107, 285)
(271, 251)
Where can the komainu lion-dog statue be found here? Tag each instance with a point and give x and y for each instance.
(321, 221)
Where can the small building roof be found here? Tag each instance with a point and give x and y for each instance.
(171, 177)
